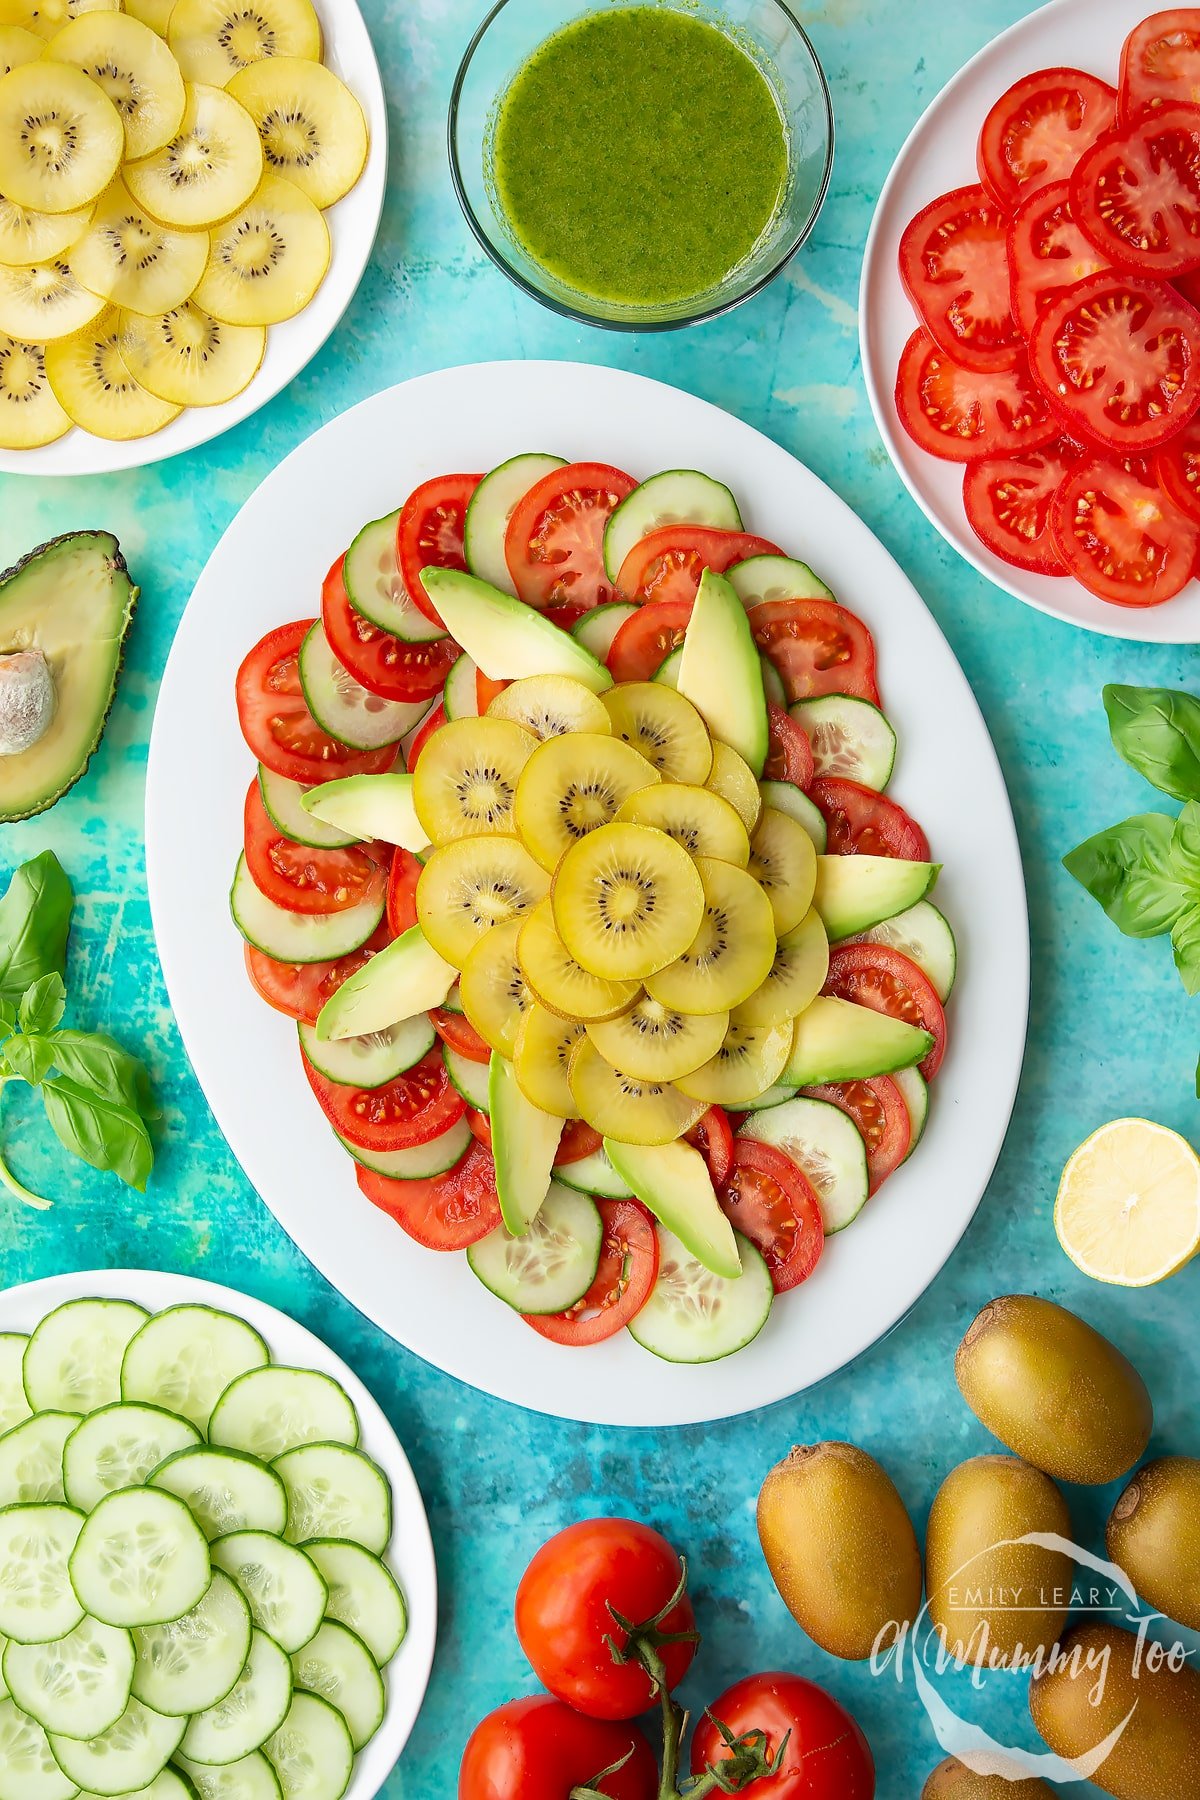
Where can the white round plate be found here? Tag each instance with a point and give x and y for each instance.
(940, 155)
(410, 1556)
(268, 568)
(353, 223)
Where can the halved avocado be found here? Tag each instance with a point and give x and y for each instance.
(72, 600)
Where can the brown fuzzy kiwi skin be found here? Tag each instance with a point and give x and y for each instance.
(952, 1780)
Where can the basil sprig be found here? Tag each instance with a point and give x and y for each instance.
(97, 1097)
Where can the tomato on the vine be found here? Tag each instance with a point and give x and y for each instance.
(538, 1749)
(826, 1756)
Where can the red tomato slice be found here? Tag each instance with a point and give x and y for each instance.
(388, 666)
(954, 268)
(554, 545)
(1008, 501)
(486, 690)
(402, 893)
(1047, 252)
(1119, 534)
(647, 638)
(300, 990)
(437, 717)
(277, 724)
(877, 976)
(817, 646)
(449, 1212)
(861, 822)
(1119, 358)
(430, 533)
(458, 1032)
(628, 1270)
(1160, 64)
(668, 564)
(770, 1200)
(1136, 192)
(959, 413)
(712, 1134)
(480, 1127)
(789, 753)
(1038, 130)
(1177, 469)
(577, 1141)
(303, 880)
(417, 1106)
(877, 1107)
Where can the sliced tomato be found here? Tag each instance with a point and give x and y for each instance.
(885, 1124)
(386, 665)
(1136, 192)
(577, 1141)
(457, 1031)
(875, 975)
(554, 545)
(712, 1134)
(770, 1200)
(487, 690)
(959, 413)
(402, 892)
(1177, 469)
(277, 724)
(566, 616)
(627, 1273)
(647, 637)
(436, 718)
(668, 564)
(1160, 63)
(1047, 252)
(1038, 130)
(818, 647)
(480, 1127)
(789, 753)
(417, 1106)
(300, 990)
(448, 1212)
(861, 822)
(303, 880)
(954, 268)
(1008, 500)
(1118, 533)
(430, 533)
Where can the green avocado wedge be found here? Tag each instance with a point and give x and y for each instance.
(836, 1040)
(673, 1181)
(64, 612)
(524, 1142)
(506, 638)
(720, 671)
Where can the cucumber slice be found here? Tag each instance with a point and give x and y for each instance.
(914, 1090)
(124, 1759)
(772, 681)
(594, 1174)
(469, 1077)
(375, 586)
(676, 497)
(285, 1591)
(272, 1410)
(312, 1753)
(31, 1459)
(849, 737)
(492, 506)
(185, 1357)
(76, 1686)
(168, 1784)
(14, 1406)
(140, 1559)
(250, 1778)
(453, 1001)
(334, 1492)
(762, 578)
(597, 629)
(28, 1770)
(421, 1162)
(667, 672)
(282, 799)
(407, 741)
(73, 1359)
(38, 1602)
(224, 1490)
(460, 696)
(338, 1665)
(254, 1707)
(299, 937)
(923, 935)
(343, 707)
(786, 798)
(827, 1145)
(694, 1316)
(772, 1096)
(116, 1447)
(3, 1683)
(191, 1664)
(553, 1264)
(371, 1061)
(362, 1593)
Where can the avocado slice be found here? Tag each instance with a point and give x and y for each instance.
(524, 1143)
(720, 671)
(70, 600)
(506, 638)
(405, 979)
(836, 1040)
(673, 1181)
(855, 892)
(369, 806)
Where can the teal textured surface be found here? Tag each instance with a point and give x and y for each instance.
(1111, 1030)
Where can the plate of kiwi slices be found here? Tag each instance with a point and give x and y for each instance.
(189, 224)
(580, 912)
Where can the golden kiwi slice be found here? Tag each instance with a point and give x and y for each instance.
(466, 778)
(312, 128)
(631, 1111)
(550, 705)
(61, 138)
(663, 727)
(695, 817)
(135, 262)
(48, 17)
(751, 1060)
(732, 951)
(34, 237)
(795, 978)
(154, 13)
(29, 413)
(44, 301)
(215, 40)
(189, 359)
(571, 786)
(207, 171)
(492, 988)
(542, 1058)
(656, 1043)
(471, 885)
(266, 263)
(783, 859)
(136, 71)
(557, 980)
(627, 901)
(18, 46)
(92, 383)
(733, 779)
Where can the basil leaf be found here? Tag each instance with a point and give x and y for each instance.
(1185, 941)
(29, 1058)
(35, 917)
(93, 1058)
(43, 1005)
(1130, 870)
(100, 1129)
(8, 1015)
(1157, 732)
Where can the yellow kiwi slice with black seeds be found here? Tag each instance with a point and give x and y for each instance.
(783, 859)
(136, 71)
(663, 727)
(695, 817)
(266, 263)
(61, 138)
(154, 13)
(468, 886)
(189, 359)
(550, 706)
(18, 46)
(573, 785)
(557, 980)
(796, 976)
(135, 262)
(655, 1043)
(542, 1059)
(216, 39)
(48, 17)
(34, 237)
(29, 413)
(733, 779)
(732, 951)
(627, 901)
(209, 168)
(44, 301)
(312, 128)
(750, 1061)
(92, 383)
(466, 778)
(492, 987)
(631, 1111)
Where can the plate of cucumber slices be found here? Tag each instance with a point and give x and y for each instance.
(235, 1589)
(590, 942)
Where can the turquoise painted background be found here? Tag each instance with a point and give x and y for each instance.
(1111, 1030)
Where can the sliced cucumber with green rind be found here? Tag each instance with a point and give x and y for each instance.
(762, 578)
(923, 935)
(343, 707)
(311, 1752)
(117, 1446)
(785, 797)
(827, 1145)
(284, 1589)
(420, 1162)
(3, 1683)
(76, 1686)
(299, 937)
(250, 1778)
(694, 1316)
(253, 1709)
(772, 1096)
(141, 1559)
(594, 1174)
(224, 1490)
(126, 1757)
(38, 1600)
(597, 628)
(914, 1090)
(169, 1784)
(189, 1665)
(469, 1077)
(375, 587)
(336, 1492)
(338, 1666)
(492, 506)
(460, 696)
(675, 497)
(772, 681)
(371, 1061)
(553, 1264)
(28, 1770)
(850, 738)
(667, 672)
(185, 1357)
(14, 1406)
(272, 1410)
(31, 1459)
(73, 1359)
(362, 1593)
(282, 800)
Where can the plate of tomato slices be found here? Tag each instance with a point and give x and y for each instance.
(1031, 315)
(377, 1152)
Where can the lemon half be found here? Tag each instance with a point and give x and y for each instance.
(1128, 1207)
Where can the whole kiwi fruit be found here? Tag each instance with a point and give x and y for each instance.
(952, 1780)
(1154, 1535)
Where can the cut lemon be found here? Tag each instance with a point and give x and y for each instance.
(1128, 1207)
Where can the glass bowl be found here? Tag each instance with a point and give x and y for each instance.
(766, 29)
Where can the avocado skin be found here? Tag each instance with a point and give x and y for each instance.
(121, 575)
